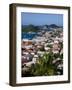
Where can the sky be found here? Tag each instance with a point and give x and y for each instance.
(41, 19)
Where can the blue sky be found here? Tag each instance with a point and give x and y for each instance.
(41, 19)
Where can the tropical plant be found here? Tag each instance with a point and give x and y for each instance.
(44, 66)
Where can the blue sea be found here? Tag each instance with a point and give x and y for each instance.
(29, 36)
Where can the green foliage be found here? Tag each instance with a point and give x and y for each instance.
(61, 56)
(56, 56)
(49, 46)
(44, 66)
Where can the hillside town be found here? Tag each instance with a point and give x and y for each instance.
(45, 42)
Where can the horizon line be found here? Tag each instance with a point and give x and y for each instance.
(41, 24)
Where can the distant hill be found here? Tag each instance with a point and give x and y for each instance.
(32, 28)
(29, 28)
(53, 26)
